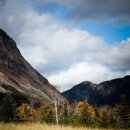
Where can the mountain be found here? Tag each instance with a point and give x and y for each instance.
(105, 93)
(16, 74)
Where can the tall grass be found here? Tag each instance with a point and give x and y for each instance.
(37, 126)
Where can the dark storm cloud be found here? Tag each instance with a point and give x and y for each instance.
(100, 8)
(2, 3)
(82, 10)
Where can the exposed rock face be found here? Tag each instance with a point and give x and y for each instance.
(16, 71)
(105, 93)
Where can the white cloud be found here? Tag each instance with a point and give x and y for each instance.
(78, 73)
(65, 55)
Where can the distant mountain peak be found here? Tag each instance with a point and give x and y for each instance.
(105, 93)
(88, 83)
(127, 76)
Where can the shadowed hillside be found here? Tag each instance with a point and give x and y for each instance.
(105, 93)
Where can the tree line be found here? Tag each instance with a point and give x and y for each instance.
(78, 114)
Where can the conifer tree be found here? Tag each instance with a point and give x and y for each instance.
(47, 115)
(8, 108)
(123, 112)
(65, 114)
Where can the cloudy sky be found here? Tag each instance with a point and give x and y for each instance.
(70, 41)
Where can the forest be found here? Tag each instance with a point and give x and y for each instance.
(78, 114)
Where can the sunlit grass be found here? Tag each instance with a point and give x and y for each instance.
(38, 126)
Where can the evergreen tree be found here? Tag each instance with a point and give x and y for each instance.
(8, 108)
(65, 114)
(50, 116)
(73, 119)
(47, 115)
(123, 112)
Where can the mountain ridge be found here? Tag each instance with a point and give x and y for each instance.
(104, 93)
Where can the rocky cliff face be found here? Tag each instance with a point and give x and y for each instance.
(17, 72)
(105, 93)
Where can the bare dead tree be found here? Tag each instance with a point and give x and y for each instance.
(55, 100)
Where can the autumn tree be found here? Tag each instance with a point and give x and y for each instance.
(104, 119)
(26, 113)
(86, 114)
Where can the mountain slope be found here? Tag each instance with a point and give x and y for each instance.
(105, 93)
(17, 72)
(80, 92)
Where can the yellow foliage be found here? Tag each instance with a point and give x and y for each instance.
(26, 113)
(84, 107)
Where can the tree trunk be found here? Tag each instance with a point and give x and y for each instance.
(56, 111)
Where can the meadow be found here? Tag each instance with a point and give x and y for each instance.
(38, 126)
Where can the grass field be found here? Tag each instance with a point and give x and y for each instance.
(37, 126)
